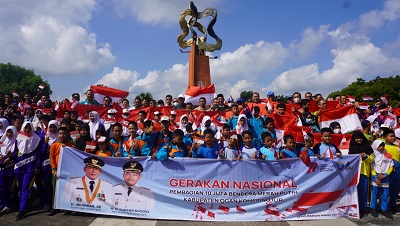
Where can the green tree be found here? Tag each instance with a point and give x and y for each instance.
(375, 88)
(147, 95)
(21, 80)
(246, 95)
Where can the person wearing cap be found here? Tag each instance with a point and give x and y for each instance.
(130, 195)
(173, 125)
(220, 106)
(160, 103)
(181, 102)
(102, 148)
(110, 120)
(124, 122)
(75, 97)
(156, 120)
(231, 151)
(240, 103)
(397, 134)
(89, 191)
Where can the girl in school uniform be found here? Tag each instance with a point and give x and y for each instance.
(8, 146)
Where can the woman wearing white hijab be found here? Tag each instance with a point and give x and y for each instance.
(382, 166)
(183, 123)
(242, 124)
(9, 145)
(94, 124)
(3, 125)
(27, 162)
(52, 131)
(45, 175)
(206, 123)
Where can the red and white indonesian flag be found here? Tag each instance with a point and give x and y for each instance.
(42, 86)
(367, 98)
(193, 94)
(345, 116)
(101, 91)
(385, 99)
(351, 98)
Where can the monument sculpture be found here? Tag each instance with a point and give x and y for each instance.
(199, 65)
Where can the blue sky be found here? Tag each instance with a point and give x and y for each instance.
(283, 46)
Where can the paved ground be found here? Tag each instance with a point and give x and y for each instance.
(40, 218)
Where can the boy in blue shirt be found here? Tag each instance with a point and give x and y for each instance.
(257, 126)
(247, 151)
(267, 151)
(270, 128)
(232, 121)
(173, 149)
(309, 143)
(290, 150)
(231, 151)
(209, 149)
(326, 149)
(189, 136)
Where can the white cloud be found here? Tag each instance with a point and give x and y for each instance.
(158, 11)
(50, 37)
(310, 41)
(247, 61)
(376, 19)
(171, 81)
(356, 61)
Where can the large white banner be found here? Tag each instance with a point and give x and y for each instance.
(208, 189)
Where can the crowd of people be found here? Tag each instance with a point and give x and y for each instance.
(33, 131)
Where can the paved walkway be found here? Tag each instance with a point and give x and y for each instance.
(104, 221)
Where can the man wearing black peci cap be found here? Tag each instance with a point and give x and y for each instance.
(89, 189)
(76, 97)
(129, 195)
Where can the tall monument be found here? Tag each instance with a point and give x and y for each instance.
(199, 64)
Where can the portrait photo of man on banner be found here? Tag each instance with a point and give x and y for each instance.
(129, 195)
(89, 191)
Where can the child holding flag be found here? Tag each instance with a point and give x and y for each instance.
(231, 151)
(326, 149)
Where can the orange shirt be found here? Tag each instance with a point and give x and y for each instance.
(129, 143)
(55, 149)
(104, 154)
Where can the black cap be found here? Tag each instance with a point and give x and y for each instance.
(132, 166)
(93, 161)
(75, 95)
